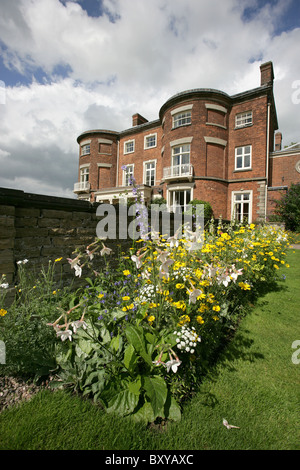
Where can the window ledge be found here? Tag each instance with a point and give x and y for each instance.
(242, 170)
(243, 127)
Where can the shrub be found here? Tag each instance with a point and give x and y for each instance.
(208, 212)
(288, 208)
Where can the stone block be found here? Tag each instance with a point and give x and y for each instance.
(56, 214)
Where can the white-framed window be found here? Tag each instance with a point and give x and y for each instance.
(243, 119)
(129, 146)
(150, 141)
(182, 119)
(84, 174)
(85, 149)
(242, 206)
(181, 159)
(179, 198)
(150, 173)
(243, 157)
(128, 175)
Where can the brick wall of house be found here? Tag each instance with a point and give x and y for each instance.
(213, 138)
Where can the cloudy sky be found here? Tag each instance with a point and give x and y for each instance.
(69, 66)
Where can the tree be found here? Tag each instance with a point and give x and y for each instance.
(288, 208)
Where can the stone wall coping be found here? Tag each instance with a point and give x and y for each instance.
(19, 198)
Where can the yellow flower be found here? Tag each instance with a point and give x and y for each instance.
(183, 320)
(126, 297)
(3, 312)
(216, 308)
(275, 266)
(151, 319)
(215, 317)
(54, 292)
(200, 320)
(179, 286)
(244, 286)
(126, 272)
(57, 260)
(124, 309)
(100, 296)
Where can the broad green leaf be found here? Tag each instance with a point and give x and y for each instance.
(156, 390)
(83, 345)
(134, 387)
(172, 409)
(145, 413)
(130, 357)
(135, 336)
(116, 343)
(123, 402)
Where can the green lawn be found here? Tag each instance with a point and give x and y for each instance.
(255, 386)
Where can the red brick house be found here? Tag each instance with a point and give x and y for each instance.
(205, 145)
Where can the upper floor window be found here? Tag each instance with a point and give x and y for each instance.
(149, 173)
(84, 174)
(243, 157)
(129, 146)
(150, 141)
(243, 119)
(85, 149)
(182, 119)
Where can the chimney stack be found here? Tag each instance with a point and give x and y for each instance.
(278, 141)
(266, 74)
(137, 119)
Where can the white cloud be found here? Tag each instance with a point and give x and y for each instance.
(130, 59)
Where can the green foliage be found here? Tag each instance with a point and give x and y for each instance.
(288, 208)
(207, 209)
(139, 340)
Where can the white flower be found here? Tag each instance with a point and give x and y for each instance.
(193, 295)
(138, 260)
(23, 262)
(64, 334)
(77, 324)
(78, 270)
(5, 285)
(105, 250)
(164, 268)
(90, 254)
(173, 364)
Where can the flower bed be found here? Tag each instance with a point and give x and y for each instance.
(139, 340)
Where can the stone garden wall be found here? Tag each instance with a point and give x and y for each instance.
(42, 228)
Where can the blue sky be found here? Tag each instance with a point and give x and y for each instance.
(68, 66)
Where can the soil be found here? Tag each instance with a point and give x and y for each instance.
(16, 390)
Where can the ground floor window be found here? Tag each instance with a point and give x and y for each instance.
(242, 206)
(179, 199)
(128, 175)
